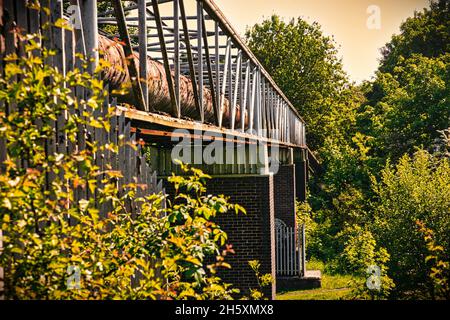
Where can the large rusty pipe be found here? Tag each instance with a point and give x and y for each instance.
(117, 76)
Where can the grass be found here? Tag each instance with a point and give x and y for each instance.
(334, 287)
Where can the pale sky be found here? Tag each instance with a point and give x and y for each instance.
(346, 20)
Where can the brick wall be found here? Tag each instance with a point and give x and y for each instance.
(284, 186)
(252, 235)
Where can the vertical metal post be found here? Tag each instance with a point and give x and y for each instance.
(230, 81)
(258, 102)
(142, 16)
(264, 108)
(245, 101)
(253, 100)
(132, 69)
(224, 82)
(176, 60)
(237, 83)
(90, 25)
(200, 56)
(303, 261)
(278, 117)
(189, 56)
(210, 75)
(217, 58)
(164, 53)
(2, 272)
(241, 88)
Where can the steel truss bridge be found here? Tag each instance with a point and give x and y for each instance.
(187, 68)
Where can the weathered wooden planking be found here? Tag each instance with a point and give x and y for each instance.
(132, 164)
(97, 139)
(127, 171)
(2, 105)
(47, 42)
(22, 22)
(10, 24)
(58, 36)
(139, 191)
(69, 52)
(121, 155)
(144, 174)
(10, 40)
(2, 36)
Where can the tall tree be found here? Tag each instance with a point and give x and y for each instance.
(303, 62)
(409, 107)
(426, 33)
(408, 103)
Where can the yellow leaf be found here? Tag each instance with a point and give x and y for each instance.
(63, 24)
(21, 223)
(12, 69)
(7, 203)
(194, 261)
(114, 174)
(83, 203)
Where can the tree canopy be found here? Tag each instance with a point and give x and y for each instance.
(427, 34)
(381, 146)
(303, 62)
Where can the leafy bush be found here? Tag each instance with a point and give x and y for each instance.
(417, 188)
(359, 249)
(304, 216)
(263, 280)
(361, 256)
(49, 239)
(439, 266)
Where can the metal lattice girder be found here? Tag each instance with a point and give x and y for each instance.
(200, 69)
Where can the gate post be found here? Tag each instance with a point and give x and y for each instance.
(2, 272)
(303, 252)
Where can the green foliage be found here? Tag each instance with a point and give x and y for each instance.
(408, 108)
(305, 217)
(427, 33)
(107, 6)
(47, 235)
(417, 188)
(439, 266)
(361, 209)
(360, 254)
(359, 249)
(303, 63)
(333, 286)
(264, 280)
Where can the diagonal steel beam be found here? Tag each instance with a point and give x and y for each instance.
(132, 69)
(190, 59)
(209, 67)
(173, 100)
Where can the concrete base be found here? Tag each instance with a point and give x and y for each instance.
(311, 280)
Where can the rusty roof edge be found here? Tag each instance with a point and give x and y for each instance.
(214, 11)
(168, 121)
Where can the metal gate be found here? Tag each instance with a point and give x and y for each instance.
(289, 249)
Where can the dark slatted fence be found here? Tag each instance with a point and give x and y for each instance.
(18, 17)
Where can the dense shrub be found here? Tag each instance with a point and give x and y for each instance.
(438, 265)
(417, 188)
(49, 238)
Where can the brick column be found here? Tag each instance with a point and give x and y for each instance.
(253, 234)
(284, 186)
(301, 174)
